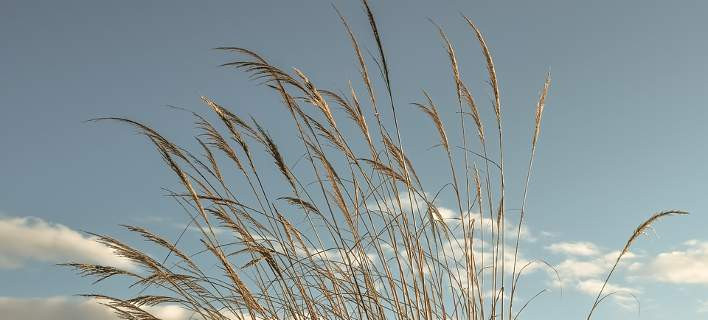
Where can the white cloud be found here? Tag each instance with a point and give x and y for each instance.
(171, 222)
(59, 308)
(585, 260)
(625, 297)
(593, 286)
(453, 217)
(549, 234)
(24, 239)
(687, 266)
(574, 248)
(571, 269)
(193, 228)
(635, 266)
(171, 312)
(585, 267)
(63, 308)
(702, 306)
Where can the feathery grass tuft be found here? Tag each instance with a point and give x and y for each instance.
(351, 234)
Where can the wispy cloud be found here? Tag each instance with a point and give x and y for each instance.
(702, 306)
(593, 286)
(575, 248)
(624, 296)
(25, 239)
(548, 234)
(452, 217)
(585, 265)
(177, 224)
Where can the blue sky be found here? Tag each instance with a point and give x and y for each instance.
(623, 133)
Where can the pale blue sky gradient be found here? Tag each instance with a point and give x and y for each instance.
(624, 134)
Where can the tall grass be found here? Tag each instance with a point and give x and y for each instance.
(356, 235)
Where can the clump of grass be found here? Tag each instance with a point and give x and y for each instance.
(354, 234)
